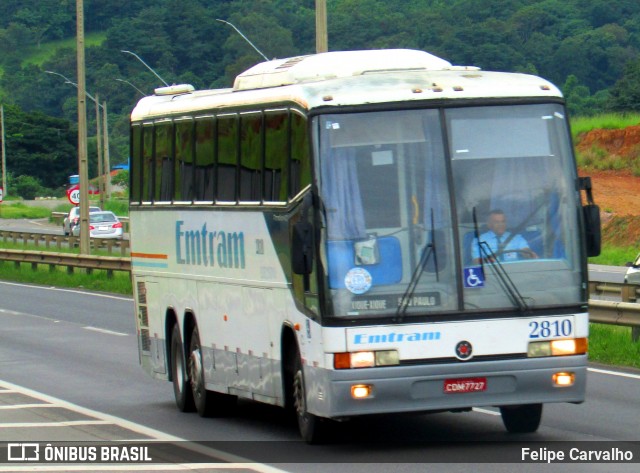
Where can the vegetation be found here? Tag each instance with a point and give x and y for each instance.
(612, 345)
(603, 121)
(120, 283)
(19, 210)
(590, 48)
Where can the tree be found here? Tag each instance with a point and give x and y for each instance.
(27, 187)
(625, 94)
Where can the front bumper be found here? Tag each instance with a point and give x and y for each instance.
(417, 388)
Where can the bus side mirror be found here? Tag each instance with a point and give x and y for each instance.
(592, 231)
(302, 248)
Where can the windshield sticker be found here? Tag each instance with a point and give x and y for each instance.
(358, 280)
(473, 277)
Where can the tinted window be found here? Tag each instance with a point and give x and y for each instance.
(276, 156)
(227, 158)
(251, 157)
(184, 185)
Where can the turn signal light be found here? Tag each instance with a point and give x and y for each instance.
(365, 359)
(572, 346)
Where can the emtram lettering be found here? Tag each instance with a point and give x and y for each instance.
(203, 247)
(361, 338)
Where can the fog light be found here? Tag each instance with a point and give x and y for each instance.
(360, 391)
(564, 379)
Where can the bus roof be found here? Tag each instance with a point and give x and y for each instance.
(345, 78)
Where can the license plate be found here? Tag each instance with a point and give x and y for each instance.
(465, 385)
(103, 228)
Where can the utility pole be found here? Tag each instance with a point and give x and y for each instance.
(82, 132)
(99, 146)
(322, 37)
(4, 152)
(106, 173)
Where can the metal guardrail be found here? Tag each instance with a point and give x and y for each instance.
(49, 240)
(625, 312)
(70, 260)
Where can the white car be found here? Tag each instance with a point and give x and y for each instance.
(102, 225)
(71, 220)
(633, 273)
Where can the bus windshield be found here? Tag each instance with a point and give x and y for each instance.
(415, 225)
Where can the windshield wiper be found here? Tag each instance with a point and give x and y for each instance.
(427, 252)
(507, 284)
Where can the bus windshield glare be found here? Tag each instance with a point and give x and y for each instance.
(484, 221)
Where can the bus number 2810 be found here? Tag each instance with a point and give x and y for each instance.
(548, 328)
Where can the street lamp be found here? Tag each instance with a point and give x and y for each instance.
(102, 173)
(244, 37)
(127, 82)
(146, 65)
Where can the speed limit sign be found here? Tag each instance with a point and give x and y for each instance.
(73, 194)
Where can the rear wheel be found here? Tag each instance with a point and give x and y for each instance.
(181, 387)
(207, 403)
(521, 419)
(312, 428)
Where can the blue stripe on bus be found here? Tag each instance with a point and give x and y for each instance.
(149, 265)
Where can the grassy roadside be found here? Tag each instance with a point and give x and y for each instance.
(607, 344)
(120, 283)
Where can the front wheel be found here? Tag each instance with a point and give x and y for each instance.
(181, 387)
(521, 419)
(312, 428)
(207, 403)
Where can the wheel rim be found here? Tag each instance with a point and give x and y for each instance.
(299, 397)
(179, 374)
(195, 371)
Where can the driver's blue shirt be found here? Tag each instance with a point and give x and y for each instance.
(515, 243)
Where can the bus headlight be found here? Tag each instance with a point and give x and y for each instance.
(572, 346)
(365, 359)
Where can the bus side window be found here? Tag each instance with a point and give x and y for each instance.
(147, 163)
(275, 162)
(183, 185)
(205, 155)
(162, 165)
(251, 157)
(300, 160)
(227, 158)
(136, 161)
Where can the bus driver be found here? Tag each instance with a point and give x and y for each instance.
(504, 245)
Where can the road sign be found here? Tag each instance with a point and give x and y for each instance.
(1, 194)
(73, 194)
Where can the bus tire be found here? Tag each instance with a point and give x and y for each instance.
(312, 428)
(207, 403)
(523, 419)
(181, 387)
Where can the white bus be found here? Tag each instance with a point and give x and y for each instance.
(316, 237)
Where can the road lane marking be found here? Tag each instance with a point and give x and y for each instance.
(62, 423)
(25, 406)
(234, 461)
(614, 373)
(104, 330)
(485, 411)
(73, 291)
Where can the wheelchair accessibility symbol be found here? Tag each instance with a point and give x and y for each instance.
(473, 277)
